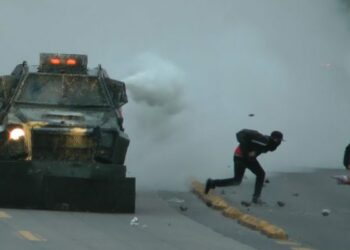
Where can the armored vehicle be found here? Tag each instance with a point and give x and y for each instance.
(62, 141)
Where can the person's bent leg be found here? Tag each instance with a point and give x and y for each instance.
(259, 172)
(239, 169)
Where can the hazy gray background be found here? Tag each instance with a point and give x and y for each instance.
(195, 70)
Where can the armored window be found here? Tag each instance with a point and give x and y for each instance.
(57, 89)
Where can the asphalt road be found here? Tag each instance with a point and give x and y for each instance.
(158, 227)
(180, 220)
(304, 197)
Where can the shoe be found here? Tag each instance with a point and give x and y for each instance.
(258, 201)
(208, 185)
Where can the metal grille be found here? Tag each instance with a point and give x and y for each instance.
(62, 147)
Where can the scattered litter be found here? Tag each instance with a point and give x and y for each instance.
(296, 194)
(281, 203)
(176, 200)
(267, 181)
(245, 203)
(134, 221)
(251, 115)
(144, 226)
(183, 208)
(209, 204)
(326, 212)
(342, 179)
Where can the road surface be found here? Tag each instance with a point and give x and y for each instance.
(294, 202)
(180, 220)
(158, 227)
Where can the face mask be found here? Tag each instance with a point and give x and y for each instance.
(273, 144)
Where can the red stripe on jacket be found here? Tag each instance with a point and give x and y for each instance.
(238, 152)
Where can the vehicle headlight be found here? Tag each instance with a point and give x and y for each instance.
(16, 134)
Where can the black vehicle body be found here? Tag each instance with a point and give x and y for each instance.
(62, 141)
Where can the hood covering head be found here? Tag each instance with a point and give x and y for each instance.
(275, 140)
(277, 135)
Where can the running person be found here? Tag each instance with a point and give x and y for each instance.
(251, 145)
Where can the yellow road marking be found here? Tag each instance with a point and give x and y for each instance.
(30, 236)
(4, 215)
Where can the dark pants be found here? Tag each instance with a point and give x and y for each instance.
(240, 165)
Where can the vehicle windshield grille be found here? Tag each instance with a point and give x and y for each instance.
(62, 147)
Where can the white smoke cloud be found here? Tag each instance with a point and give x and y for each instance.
(157, 93)
(158, 84)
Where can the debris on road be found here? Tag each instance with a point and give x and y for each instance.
(245, 203)
(183, 208)
(267, 181)
(281, 203)
(326, 212)
(176, 200)
(134, 221)
(296, 194)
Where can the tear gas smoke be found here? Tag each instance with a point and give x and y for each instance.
(158, 95)
(159, 85)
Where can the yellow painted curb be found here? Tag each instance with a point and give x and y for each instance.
(30, 236)
(231, 212)
(198, 188)
(4, 215)
(249, 221)
(218, 203)
(212, 199)
(263, 226)
(274, 232)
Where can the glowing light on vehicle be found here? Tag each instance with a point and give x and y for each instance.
(55, 61)
(71, 62)
(16, 134)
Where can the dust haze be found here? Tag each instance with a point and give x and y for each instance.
(196, 69)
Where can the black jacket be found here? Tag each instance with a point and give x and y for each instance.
(346, 160)
(251, 140)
